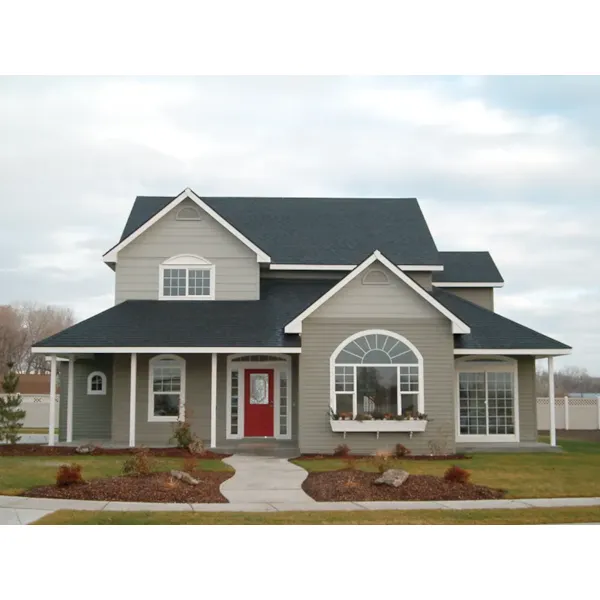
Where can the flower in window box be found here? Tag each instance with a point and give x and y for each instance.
(388, 417)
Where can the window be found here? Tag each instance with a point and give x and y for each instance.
(188, 213)
(187, 277)
(96, 384)
(375, 277)
(377, 372)
(166, 388)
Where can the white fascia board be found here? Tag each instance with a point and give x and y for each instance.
(458, 326)
(261, 257)
(472, 284)
(520, 352)
(167, 350)
(294, 267)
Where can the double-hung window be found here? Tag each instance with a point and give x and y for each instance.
(187, 277)
(166, 388)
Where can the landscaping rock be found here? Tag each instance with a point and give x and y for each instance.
(183, 476)
(393, 477)
(85, 449)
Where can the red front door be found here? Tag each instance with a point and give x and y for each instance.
(258, 403)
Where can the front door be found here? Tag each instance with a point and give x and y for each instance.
(258, 402)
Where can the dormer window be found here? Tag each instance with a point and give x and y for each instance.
(187, 277)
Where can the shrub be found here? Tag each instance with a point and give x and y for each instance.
(185, 438)
(342, 450)
(457, 475)
(69, 474)
(190, 463)
(139, 463)
(11, 411)
(401, 450)
(381, 460)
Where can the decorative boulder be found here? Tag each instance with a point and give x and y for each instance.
(85, 449)
(183, 476)
(393, 477)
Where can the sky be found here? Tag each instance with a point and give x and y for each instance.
(505, 164)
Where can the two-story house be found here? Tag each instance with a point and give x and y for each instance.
(280, 320)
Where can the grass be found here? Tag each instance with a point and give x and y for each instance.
(18, 473)
(43, 430)
(535, 475)
(385, 517)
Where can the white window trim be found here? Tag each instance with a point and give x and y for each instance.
(196, 216)
(507, 365)
(187, 262)
(151, 416)
(365, 278)
(92, 392)
(396, 336)
(278, 367)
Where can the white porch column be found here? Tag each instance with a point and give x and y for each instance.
(132, 398)
(52, 410)
(551, 401)
(70, 388)
(213, 400)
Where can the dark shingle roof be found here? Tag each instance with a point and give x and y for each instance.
(180, 323)
(489, 330)
(318, 231)
(468, 267)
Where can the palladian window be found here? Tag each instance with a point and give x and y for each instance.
(377, 373)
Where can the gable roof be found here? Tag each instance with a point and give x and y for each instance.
(111, 255)
(491, 331)
(467, 267)
(316, 231)
(458, 326)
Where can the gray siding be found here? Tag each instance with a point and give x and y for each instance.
(360, 301)
(527, 399)
(481, 296)
(395, 308)
(423, 278)
(137, 268)
(91, 414)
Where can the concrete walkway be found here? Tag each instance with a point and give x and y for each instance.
(265, 479)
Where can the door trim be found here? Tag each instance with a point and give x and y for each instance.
(279, 366)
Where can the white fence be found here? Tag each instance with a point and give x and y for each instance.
(570, 413)
(37, 410)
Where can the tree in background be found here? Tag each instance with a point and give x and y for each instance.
(21, 325)
(568, 380)
(11, 413)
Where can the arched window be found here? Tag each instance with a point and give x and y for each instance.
(187, 277)
(188, 213)
(96, 384)
(375, 277)
(166, 388)
(377, 372)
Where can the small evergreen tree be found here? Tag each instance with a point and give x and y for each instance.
(11, 415)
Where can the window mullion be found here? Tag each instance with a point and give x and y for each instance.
(399, 402)
(354, 397)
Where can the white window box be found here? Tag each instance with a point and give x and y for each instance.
(377, 426)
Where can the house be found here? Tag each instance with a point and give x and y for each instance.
(278, 320)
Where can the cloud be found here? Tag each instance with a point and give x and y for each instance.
(505, 164)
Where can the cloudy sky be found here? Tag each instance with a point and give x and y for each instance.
(510, 165)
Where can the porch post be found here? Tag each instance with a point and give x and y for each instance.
(213, 400)
(70, 387)
(551, 401)
(132, 391)
(52, 411)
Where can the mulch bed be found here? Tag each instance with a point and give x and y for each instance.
(370, 456)
(156, 487)
(43, 450)
(349, 485)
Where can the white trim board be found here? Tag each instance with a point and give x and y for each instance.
(167, 350)
(299, 267)
(472, 284)
(111, 255)
(458, 326)
(513, 351)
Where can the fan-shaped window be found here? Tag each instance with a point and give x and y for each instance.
(96, 384)
(375, 277)
(377, 372)
(188, 213)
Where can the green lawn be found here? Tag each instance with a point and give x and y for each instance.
(383, 517)
(576, 472)
(18, 473)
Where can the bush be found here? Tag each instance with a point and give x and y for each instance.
(381, 460)
(185, 438)
(190, 464)
(342, 451)
(457, 475)
(140, 463)
(69, 474)
(401, 450)
(11, 411)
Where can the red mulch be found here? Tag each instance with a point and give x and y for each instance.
(409, 457)
(349, 485)
(156, 487)
(43, 450)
